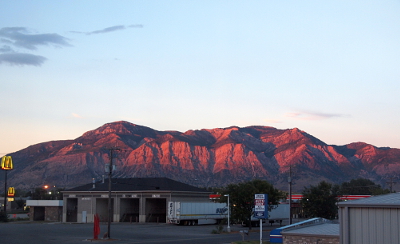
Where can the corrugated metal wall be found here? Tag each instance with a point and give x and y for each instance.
(370, 225)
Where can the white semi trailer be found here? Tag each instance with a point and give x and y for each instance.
(276, 215)
(195, 213)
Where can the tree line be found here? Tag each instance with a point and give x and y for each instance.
(318, 201)
(40, 193)
(321, 200)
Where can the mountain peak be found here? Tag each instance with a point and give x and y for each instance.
(119, 127)
(215, 157)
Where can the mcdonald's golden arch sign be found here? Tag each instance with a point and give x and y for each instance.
(11, 192)
(6, 163)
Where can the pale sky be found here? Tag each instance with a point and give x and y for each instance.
(329, 68)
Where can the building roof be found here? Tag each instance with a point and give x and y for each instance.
(44, 203)
(139, 184)
(389, 200)
(325, 229)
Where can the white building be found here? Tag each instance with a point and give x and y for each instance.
(132, 199)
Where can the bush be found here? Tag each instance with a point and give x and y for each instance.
(220, 227)
(3, 217)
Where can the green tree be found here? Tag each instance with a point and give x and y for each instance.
(43, 194)
(20, 203)
(241, 197)
(361, 186)
(40, 194)
(56, 194)
(20, 193)
(320, 200)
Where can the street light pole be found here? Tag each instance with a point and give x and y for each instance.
(228, 229)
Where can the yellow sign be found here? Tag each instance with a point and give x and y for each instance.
(11, 192)
(6, 163)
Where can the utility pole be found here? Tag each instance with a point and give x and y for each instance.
(391, 182)
(5, 193)
(112, 151)
(6, 164)
(290, 194)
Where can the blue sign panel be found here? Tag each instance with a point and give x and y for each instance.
(261, 206)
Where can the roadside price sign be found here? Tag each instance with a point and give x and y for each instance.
(261, 206)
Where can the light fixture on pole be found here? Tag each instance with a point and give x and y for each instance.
(228, 229)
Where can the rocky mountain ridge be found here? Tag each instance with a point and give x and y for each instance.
(207, 157)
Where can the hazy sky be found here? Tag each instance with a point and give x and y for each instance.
(330, 68)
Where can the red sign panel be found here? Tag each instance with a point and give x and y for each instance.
(215, 196)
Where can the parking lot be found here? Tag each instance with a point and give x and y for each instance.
(42, 232)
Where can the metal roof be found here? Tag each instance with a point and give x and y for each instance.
(44, 203)
(325, 229)
(138, 184)
(389, 200)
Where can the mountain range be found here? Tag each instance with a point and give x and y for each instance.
(204, 158)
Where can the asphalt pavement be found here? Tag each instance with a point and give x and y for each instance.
(121, 233)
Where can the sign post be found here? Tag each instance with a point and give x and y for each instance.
(6, 164)
(261, 209)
